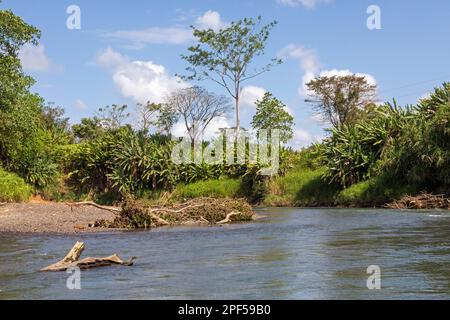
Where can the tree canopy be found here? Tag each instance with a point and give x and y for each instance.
(340, 99)
(271, 114)
(224, 56)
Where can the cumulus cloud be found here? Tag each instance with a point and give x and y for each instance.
(34, 58)
(210, 20)
(342, 73)
(301, 139)
(251, 94)
(305, 3)
(308, 62)
(311, 68)
(141, 81)
(212, 131)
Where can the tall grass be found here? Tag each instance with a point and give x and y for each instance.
(220, 188)
(13, 188)
(301, 187)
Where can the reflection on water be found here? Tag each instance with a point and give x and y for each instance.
(291, 254)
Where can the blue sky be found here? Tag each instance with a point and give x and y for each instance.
(127, 52)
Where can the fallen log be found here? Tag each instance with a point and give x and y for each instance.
(95, 205)
(71, 260)
(228, 217)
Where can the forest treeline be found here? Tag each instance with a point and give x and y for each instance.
(373, 153)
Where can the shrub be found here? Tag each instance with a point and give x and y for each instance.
(13, 188)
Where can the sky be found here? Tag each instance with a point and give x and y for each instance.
(126, 52)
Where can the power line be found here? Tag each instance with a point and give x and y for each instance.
(415, 84)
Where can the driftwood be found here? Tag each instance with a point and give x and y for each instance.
(135, 214)
(71, 260)
(422, 201)
(93, 204)
(227, 219)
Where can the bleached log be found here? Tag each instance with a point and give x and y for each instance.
(71, 260)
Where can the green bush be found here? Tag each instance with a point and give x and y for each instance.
(221, 188)
(13, 188)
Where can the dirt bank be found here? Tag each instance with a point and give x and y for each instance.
(47, 217)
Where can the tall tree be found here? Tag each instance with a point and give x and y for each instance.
(14, 33)
(271, 114)
(19, 109)
(225, 56)
(197, 108)
(113, 117)
(340, 100)
(146, 115)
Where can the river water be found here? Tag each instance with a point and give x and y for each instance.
(290, 254)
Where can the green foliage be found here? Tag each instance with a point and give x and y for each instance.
(271, 114)
(254, 185)
(301, 187)
(224, 56)
(421, 155)
(376, 191)
(340, 100)
(218, 188)
(13, 188)
(88, 129)
(351, 152)
(14, 33)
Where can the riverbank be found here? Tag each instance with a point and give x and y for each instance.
(50, 217)
(87, 217)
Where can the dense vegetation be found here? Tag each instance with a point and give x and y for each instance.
(373, 153)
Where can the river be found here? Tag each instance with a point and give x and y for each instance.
(290, 254)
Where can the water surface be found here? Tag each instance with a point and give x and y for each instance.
(291, 254)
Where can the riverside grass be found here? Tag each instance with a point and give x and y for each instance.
(305, 187)
(13, 188)
(214, 188)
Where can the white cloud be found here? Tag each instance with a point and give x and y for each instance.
(154, 35)
(301, 139)
(141, 81)
(177, 35)
(80, 105)
(212, 131)
(210, 20)
(33, 58)
(308, 62)
(342, 73)
(305, 3)
(311, 68)
(251, 94)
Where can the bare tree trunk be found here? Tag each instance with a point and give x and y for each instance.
(72, 260)
(238, 120)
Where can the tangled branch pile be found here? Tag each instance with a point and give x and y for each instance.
(136, 214)
(422, 201)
